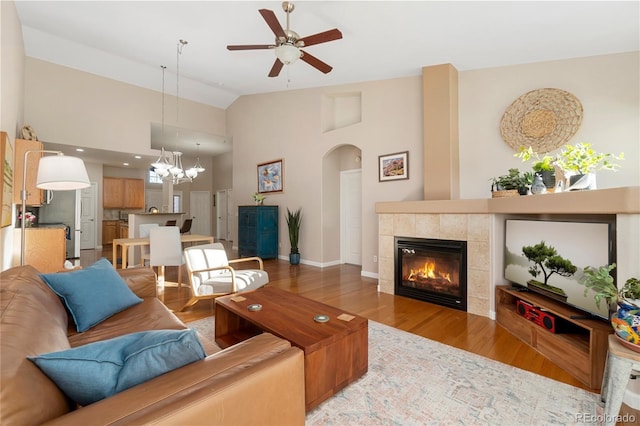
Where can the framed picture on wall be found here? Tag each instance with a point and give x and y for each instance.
(270, 177)
(393, 166)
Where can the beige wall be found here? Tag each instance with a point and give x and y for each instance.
(607, 86)
(290, 125)
(11, 96)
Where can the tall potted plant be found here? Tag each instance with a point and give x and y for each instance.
(294, 220)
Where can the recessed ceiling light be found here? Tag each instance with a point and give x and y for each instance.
(79, 149)
(125, 164)
(137, 157)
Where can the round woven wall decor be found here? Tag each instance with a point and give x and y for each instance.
(544, 119)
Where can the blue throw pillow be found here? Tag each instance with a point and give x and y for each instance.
(92, 294)
(89, 373)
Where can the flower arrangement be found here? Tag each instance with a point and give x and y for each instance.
(258, 198)
(29, 217)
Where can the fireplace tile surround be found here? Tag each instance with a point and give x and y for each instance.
(481, 224)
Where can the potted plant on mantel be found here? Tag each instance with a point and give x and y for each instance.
(542, 166)
(580, 162)
(513, 183)
(294, 220)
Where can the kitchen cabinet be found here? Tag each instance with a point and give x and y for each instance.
(258, 231)
(122, 193)
(34, 195)
(109, 231)
(123, 230)
(45, 248)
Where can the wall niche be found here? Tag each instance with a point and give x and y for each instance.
(341, 110)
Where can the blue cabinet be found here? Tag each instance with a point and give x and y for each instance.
(258, 231)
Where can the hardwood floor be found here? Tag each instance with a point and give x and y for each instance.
(343, 287)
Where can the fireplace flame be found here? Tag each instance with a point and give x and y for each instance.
(428, 271)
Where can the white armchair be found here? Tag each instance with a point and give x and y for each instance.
(211, 274)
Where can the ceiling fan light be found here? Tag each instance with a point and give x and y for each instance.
(288, 53)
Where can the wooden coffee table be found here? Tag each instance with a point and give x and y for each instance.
(335, 351)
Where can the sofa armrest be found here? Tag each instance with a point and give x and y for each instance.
(258, 381)
(142, 281)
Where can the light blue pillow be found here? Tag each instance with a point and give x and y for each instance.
(92, 294)
(92, 372)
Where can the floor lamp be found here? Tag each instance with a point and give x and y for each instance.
(55, 172)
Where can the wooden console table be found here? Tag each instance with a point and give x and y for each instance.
(335, 352)
(581, 351)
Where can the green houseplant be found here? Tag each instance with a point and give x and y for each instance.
(514, 180)
(600, 281)
(541, 165)
(294, 220)
(581, 161)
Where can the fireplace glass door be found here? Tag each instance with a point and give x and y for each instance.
(432, 270)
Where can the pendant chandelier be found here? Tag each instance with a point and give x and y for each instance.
(171, 169)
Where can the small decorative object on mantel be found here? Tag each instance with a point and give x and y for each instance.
(543, 119)
(258, 199)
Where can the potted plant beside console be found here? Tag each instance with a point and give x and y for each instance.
(294, 220)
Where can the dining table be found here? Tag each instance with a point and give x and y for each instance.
(125, 243)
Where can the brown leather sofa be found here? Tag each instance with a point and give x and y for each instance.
(259, 381)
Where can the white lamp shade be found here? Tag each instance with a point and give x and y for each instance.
(287, 53)
(61, 173)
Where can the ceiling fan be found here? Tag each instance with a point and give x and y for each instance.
(288, 44)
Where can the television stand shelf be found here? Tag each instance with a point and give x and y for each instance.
(582, 352)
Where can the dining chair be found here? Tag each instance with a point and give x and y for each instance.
(143, 231)
(171, 223)
(166, 250)
(211, 274)
(186, 226)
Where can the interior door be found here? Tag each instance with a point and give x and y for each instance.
(200, 209)
(88, 205)
(350, 216)
(222, 222)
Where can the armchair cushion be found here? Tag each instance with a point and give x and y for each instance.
(92, 294)
(92, 372)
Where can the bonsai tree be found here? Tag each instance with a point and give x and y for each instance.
(581, 159)
(601, 282)
(546, 260)
(294, 220)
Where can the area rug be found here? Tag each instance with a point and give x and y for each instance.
(417, 381)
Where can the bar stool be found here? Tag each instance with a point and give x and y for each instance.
(621, 361)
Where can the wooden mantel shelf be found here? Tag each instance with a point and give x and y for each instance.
(624, 200)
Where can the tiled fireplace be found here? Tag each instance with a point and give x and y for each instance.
(474, 229)
(480, 222)
(432, 270)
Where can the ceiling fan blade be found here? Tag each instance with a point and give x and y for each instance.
(323, 37)
(316, 63)
(250, 46)
(273, 23)
(276, 68)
